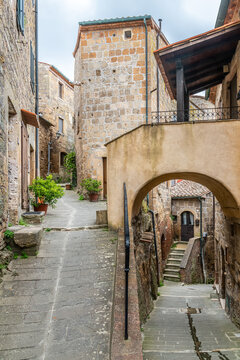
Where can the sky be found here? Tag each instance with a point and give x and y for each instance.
(58, 22)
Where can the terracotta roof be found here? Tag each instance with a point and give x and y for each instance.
(59, 73)
(186, 188)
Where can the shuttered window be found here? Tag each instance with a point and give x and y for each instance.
(32, 78)
(20, 15)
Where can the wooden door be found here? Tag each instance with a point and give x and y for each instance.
(233, 98)
(187, 226)
(105, 177)
(24, 166)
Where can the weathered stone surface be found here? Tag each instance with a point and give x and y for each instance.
(101, 217)
(34, 217)
(5, 256)
(28, 237)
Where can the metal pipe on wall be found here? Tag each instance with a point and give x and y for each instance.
(36, 91)
(146, 64)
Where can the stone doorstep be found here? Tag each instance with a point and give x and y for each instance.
(26, 239)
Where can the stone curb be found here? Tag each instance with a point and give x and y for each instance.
(90, 227)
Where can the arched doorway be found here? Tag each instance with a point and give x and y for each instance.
(187, 226)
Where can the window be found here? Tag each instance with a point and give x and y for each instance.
(60, 125)
(20, 15)
(127, 34)
(60, 90)
(32, 70)
(62, 157)
(173, 182)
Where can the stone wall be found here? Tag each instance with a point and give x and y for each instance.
(191, 271)
(52, 107)
(110, 96)
(15, 94)
(145, 259)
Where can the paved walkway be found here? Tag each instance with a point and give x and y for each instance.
(204, 332)
(57, 306)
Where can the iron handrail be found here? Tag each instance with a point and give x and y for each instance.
(208, 114)
(127, 257)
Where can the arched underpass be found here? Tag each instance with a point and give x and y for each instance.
(204, 152)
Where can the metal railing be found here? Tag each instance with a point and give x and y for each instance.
(127, 257)
(198, 114)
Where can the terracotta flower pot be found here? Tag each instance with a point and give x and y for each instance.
(68, 186)
(93, 197)
(41, 207)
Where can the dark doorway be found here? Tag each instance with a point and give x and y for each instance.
(187, 226)
(222, 275)
(24, 166)
(104, 177)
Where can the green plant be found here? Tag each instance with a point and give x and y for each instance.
(174, 245)
(10, 224)
(48, 229)
(22, 222)
(9, 234)
(15, 256)
(92, 186)
(105, 229)
(70, 165)
(113, 240)
(142, 329)
(24, 255)
(46, 191)
(145, 207)
(8, 248)
(158, 294)
(3, 266)
(81, 197)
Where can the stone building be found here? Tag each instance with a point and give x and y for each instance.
(56, 120)
(18, 121)
(191, 208)
(113, 58)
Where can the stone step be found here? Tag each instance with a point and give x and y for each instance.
(26, 239)
(171, 278)
(171, 265)
(171, 272)
(176, 256)
(177, 251)
(174, 261)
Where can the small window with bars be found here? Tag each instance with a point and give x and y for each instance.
(60, 125)
(32, 68)
(20, 15)
(60, 90)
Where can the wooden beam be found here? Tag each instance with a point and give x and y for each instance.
(180, 87)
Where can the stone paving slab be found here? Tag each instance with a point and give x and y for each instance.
(172, 334)
(58, 305)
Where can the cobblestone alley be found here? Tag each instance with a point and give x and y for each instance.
(57, 306)
(186, 324)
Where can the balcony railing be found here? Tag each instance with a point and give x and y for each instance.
(225, 113)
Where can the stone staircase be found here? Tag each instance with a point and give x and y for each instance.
(172, 269)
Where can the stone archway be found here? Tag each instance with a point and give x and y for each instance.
(150, 155)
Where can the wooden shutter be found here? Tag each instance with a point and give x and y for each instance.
(24, 166)
(32, 77)
(20, 15)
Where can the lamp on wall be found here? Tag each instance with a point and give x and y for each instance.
(58, 134)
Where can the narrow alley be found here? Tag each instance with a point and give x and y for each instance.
(188, 323)
(58, 305)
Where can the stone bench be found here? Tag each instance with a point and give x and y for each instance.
(33, 217)
(26, 239)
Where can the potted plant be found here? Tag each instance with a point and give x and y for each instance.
(46, 192)
(93, 187)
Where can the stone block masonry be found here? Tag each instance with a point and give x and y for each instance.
(16, 93)
(110, 98)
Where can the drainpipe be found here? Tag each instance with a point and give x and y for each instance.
(146, 63)
(157, 45)
(49, 156)
(155, 245)
(201, 242)
(146, 77)
(37, 91)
